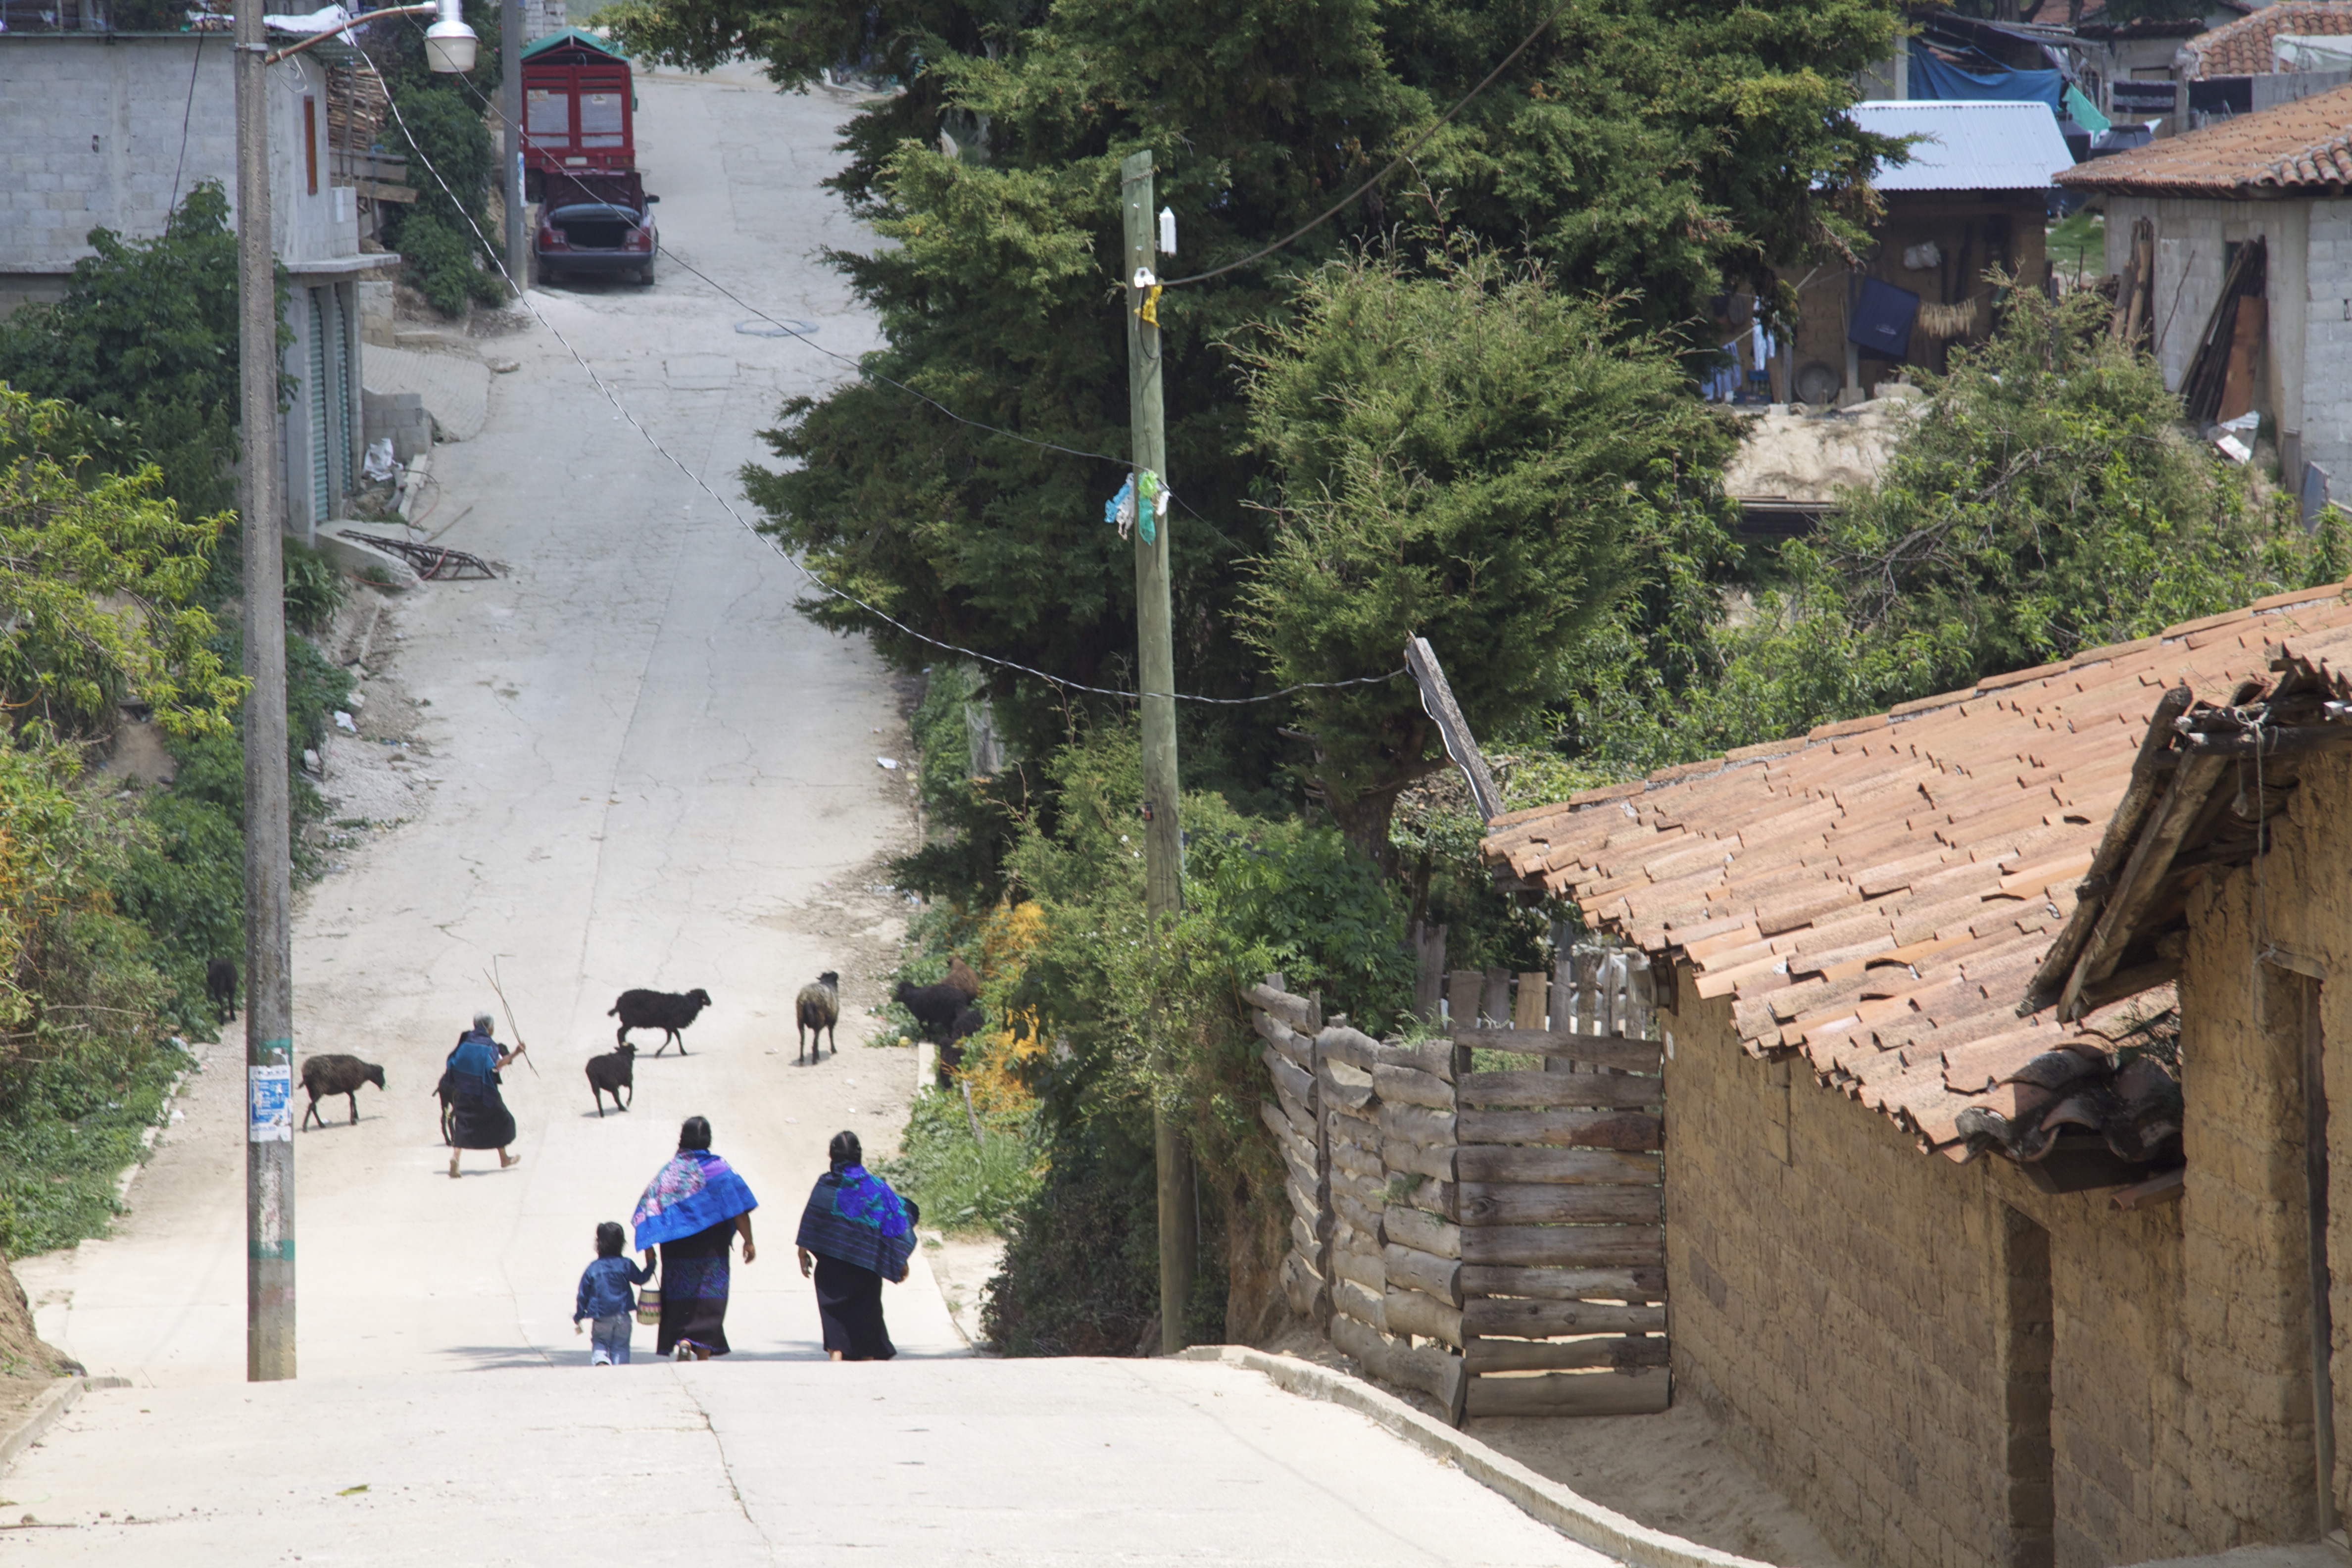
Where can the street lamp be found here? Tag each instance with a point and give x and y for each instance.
(268, 837)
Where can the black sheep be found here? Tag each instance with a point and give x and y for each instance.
(819, 1010)
(934, 1007)
(612, 1073)
(967, 1022)
(446, 1091)
(660, 1010)
(220, 987)
(333, 1075)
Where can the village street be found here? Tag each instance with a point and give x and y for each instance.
(634, 764)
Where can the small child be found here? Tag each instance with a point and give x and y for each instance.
(605, 1296)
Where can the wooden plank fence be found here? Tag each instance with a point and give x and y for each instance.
(1491, 1237)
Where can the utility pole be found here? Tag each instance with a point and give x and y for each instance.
(510, 42)
(1163, 843)
(268, 849)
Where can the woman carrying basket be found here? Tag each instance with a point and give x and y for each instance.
(693, 1209)
(856, 1233)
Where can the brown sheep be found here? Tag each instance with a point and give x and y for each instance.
(332, 1075)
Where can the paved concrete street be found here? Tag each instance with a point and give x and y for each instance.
(920, 1462)
(652, 773)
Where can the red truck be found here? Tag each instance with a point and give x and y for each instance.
(579, 108)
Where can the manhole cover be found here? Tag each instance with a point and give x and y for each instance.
(765, 328)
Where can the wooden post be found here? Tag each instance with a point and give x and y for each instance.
(1429, 972)
(1163, 840)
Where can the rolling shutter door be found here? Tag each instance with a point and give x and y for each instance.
(315, 398)
(339, 385)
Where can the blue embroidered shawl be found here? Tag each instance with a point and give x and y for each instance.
(694, 1192)
(853, 1218)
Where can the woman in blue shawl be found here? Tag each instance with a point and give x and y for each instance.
(693, 1209)
(858, 1233)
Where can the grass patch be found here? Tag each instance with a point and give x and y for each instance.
(964, 1187)
(64, 1145)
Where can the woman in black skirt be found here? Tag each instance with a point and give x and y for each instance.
(693, 1209)
(855, 1234)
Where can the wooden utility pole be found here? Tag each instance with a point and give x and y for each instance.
(269, 848)
(1163, 845)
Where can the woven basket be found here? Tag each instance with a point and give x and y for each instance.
(649, 1305)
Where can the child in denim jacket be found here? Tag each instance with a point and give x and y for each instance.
(606, 1299)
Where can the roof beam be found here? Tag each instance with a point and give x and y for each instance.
(2143, 876)
(2148, 771)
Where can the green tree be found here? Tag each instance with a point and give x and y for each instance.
(1464, 454)
(97, 578)
(1644, 148)
(145, 345)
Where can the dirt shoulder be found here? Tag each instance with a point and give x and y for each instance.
(28, 1367)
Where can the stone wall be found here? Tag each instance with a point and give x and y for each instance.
(1941, 1364)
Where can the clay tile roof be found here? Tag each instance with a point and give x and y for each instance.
(1879, 895)
(2244, 47)
(2303, 146)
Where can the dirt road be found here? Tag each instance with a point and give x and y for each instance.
(632, 764)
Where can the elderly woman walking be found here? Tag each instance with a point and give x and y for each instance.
(469, 1082)
(693, 1210)
(858, 1233)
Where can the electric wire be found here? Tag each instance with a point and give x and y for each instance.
(1394, 164)
(823, 587)
(186, 114)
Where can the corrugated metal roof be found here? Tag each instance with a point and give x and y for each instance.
(1967, 146)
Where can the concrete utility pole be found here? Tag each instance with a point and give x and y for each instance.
(1163, 845)
(510, 42)
(268, 849)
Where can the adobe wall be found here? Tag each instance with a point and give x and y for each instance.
(2247, 1322)
(1841, 1312)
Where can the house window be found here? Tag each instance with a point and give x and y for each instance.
(2028, 1330)
(310, 140)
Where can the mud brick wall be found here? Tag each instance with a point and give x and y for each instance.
(1853, 1311)
(2246, 1318)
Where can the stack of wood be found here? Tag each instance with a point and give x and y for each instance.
(1288, 1024)
(1491, 1238)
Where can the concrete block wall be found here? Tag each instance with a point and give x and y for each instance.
(90, 137)
(1851, 1315)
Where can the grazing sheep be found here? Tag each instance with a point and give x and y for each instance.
(335, 1075)
(612, 1073)
(819, 1010)
(934, 1006)
(663, 1010)
(967, 1022)
(220, 987)
(961, 977)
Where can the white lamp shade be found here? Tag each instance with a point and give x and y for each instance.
(449, 47)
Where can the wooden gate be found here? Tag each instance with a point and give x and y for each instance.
(1487, 1230)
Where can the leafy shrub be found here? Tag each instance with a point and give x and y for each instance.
(314, 589)
(964, 1186)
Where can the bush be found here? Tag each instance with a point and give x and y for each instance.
(314, 589)
(964, 1186)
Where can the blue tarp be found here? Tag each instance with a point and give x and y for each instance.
(1932, 78)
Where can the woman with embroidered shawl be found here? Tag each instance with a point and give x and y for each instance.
(693, 1210)
(858, 1233)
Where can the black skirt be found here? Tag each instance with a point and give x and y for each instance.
(696, 1274)
(849, 1303)
(479, 1121)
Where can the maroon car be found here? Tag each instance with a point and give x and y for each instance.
(596, 222)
